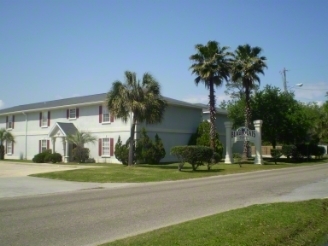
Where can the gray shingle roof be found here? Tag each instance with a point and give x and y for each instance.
(67, 128)
(97, 98)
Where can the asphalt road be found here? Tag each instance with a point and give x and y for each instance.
(91, 217)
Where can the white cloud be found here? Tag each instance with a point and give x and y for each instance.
(204, 98)
(2, 104)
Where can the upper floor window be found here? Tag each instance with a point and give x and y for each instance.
(10, 120)
(105, 114)
(72, 113)
(44, 119)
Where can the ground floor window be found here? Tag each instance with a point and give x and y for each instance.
(43, 145)
(106, 146)
(9, 147)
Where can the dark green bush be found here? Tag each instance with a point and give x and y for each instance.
(55, 157)
(42, 157)
(148, 151)
(195, 155)
(122, 151)
(287, 150)
(80, 154)
(276, 154)
(202, 137)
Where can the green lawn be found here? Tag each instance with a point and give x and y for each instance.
(151, 173)
(277, 224)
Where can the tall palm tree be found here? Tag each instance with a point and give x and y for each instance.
(247, 64)
(211, 65)
(5, 136)
(79, 138)
(142, 99)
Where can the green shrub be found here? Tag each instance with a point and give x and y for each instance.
(276, 154)
(148, 151)
(195, 155)
(202, 137)
(55, 157)
(42, 157)
(287, 150)
(122, 151)
(80, 154)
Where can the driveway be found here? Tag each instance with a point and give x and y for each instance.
(14, 180)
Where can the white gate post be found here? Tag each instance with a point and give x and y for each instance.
(258, 142)
(228, 156)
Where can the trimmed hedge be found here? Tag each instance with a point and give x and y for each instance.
(195, 155)
(42, 157)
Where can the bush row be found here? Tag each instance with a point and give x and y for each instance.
(47, 156)
(196, 156)
(299, 151)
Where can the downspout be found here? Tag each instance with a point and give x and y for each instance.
(25, 135)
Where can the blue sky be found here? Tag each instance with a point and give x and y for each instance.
(62, 48)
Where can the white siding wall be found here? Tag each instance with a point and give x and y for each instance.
(88, 121)
(176, 128)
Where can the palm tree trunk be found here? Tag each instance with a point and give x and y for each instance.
(2, 152)
(246, 151)
(212, 115)
(131, 141)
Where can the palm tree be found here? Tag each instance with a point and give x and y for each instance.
(79, 138)
(246, 65)
(5, 136)
(142, 99)
(211, 64)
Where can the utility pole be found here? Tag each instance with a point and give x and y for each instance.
(284, 80)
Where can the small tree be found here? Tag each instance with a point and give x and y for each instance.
(5, 136)
(202, 137)
(122, 151)
(79, 138)
(148, 151)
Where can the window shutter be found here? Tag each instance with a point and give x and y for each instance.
(77, 113)
(111, 118)
(39, 146)
(12, 147)
(48, 118)
(100, 114)
(111, 147)
(48, 145)
(6, 121)
(13, 123)
(100, 147)
(67, 113)
(40, 119)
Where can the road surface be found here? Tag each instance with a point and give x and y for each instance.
(94, 216)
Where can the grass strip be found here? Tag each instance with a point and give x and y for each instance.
(278, 224)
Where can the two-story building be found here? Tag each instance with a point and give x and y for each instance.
(45, 125)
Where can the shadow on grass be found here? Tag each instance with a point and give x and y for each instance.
(271, 161)
(186, 168)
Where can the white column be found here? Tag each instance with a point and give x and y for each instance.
(258, 142)
(228, 156)
(53, 140)
(66, 151)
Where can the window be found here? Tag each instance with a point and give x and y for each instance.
(44, 119)
(43, 145)
(105, 115)
(72, 113)
(106, 146)
(10, 121)
(9, 147)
